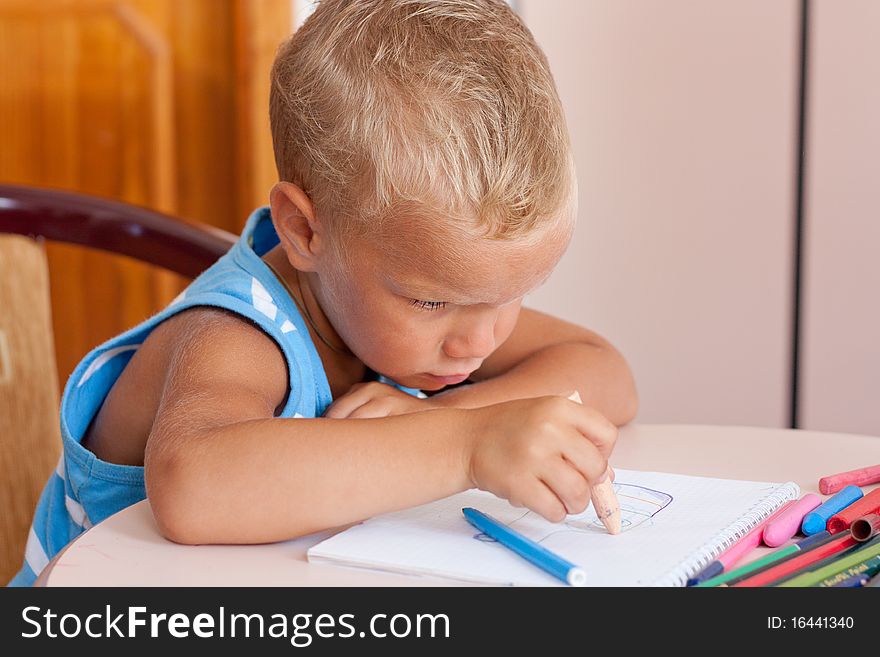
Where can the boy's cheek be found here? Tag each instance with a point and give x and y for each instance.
(506, 323)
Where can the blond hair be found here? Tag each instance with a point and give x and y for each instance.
(385, 108)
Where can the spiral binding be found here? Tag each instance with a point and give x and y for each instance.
(709, 551)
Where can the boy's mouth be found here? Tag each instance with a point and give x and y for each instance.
(450, 380)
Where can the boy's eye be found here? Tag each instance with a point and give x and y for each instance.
(427, 305)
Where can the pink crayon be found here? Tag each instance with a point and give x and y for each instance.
(787, 524)
(860, 477)
(750, 541)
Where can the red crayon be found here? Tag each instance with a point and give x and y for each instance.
(861, 477)
(870, 503)
(842, 542)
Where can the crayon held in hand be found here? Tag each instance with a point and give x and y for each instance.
(606, 505)
(604, 499)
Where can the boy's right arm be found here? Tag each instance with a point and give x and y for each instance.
(219, 468)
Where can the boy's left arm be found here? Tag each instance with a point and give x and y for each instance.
(548, 356)
(543, 356)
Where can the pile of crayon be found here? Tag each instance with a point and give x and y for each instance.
(841, 548)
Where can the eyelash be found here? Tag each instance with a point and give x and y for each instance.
(427, 305)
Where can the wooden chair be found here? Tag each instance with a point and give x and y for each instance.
(30, 438)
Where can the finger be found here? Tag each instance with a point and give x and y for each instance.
(373, 408)
(585, 457)
(542, 500)
(343, 406)
(597, 428)
(568, 484)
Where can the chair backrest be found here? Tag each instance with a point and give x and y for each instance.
(30, 439)
(146, 235)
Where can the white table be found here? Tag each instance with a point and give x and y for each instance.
(127, 549)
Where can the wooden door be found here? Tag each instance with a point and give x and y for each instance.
(158, 103)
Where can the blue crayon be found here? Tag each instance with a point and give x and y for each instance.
(712, 570)
(526, 548)
(815, 521)
(814, 540)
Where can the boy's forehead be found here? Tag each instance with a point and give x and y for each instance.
(466, 269)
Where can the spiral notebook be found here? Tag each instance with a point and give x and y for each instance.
(672, 527)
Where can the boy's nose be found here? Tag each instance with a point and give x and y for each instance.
(475, 342)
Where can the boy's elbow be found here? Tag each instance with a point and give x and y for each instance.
(190, 527)
(629, 406)
(180, 521)
(621, 395)
(628, 413)
(190, 514)
(173, 520)
(170, 502)
(174, 526)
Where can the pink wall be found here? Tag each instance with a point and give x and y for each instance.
(841, 364)
(682, 117)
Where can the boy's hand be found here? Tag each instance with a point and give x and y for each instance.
(375, 399)
(542, 453)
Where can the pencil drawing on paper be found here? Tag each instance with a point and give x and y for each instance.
(638, 505)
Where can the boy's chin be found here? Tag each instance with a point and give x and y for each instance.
(419, 382)
(431, 387)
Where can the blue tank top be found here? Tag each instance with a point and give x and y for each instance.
(84, 490)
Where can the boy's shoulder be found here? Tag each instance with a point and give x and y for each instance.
(210, 332)
(200, 351)
(214, 348)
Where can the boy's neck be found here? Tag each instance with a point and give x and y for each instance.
(342, 369)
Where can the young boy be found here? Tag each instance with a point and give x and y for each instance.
(426, 186)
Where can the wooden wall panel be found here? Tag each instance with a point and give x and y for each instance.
(259, 29)
(141, 101)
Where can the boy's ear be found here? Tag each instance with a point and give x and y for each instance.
(297, 225)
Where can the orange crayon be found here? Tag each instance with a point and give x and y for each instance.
(603, 496)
